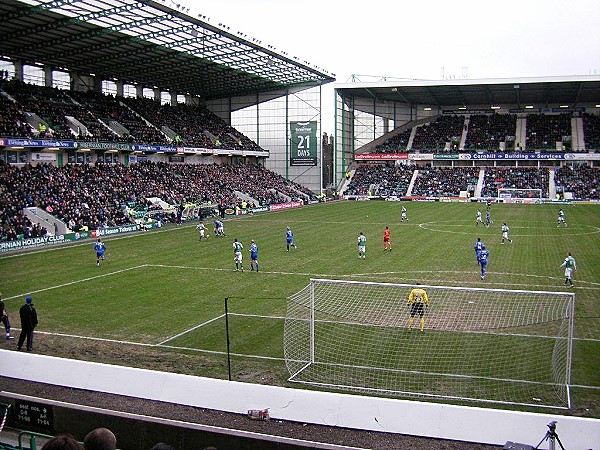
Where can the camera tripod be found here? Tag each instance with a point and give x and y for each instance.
(552, 437)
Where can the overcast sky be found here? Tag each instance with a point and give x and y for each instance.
(432, 39)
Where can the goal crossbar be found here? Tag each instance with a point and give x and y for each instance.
(489, 345)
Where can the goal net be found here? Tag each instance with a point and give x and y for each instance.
(490, 345)
(513, 195)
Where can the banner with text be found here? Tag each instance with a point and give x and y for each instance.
(512, 155)
(16, 142)
(303, 143)
(380, 156)
(41, 241)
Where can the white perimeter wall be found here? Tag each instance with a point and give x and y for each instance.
(343, 410)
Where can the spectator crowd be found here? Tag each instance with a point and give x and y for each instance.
(515, 178)
(582, 181)
(101, 195)
(444, 181)
(93, 116)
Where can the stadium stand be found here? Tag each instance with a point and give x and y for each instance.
(516, 178)
(442, 135)
(545, 130)
(444, 182)
(591, 131)
(582, 181)
(13, 121)
(396, 144)
(107, 118)
(486, 132)
(384, 180)
(101, 195)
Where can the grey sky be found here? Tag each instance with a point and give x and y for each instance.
(421, 39)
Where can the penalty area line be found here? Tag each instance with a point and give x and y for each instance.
(189, 330)
(218, 352)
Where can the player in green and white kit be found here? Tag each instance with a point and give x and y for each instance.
(362, 243)
(561, 219)
(505, 231)
(570, 265)
(201, 230)
(237, 255)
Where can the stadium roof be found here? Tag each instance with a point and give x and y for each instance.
(574, 91)
(148, 43)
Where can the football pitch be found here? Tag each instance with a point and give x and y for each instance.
(158, 300)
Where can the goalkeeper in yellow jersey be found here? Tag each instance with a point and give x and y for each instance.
(418, 301)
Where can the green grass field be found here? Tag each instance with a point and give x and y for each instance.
(158, 300)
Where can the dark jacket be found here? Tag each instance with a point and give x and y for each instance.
(29, 318)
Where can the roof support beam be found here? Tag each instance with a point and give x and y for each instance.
(145, 49)
(67, 21)
(579, 87)
(27, 10)
(89, 34)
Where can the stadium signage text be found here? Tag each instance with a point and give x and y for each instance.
(42, 241)
(43, 156)
(286, 205)
(303, 144)
(154, 148)
(445, 156)
(31, 242)
(105, 146)
(380, 156)
(420, 156)
(462, 112)
(9, 142)
(516, 155)
(115, 230)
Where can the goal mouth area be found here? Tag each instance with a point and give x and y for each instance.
(546, 394)
(478, 345)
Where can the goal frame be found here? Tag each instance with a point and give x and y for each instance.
(537, 199)
(569, 315)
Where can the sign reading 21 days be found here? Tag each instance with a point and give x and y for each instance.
(303, 143)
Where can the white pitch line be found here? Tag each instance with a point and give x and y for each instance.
(218, 352)
(258, 316)
(374, 274)
(430, 226)
(272, 272)
(189, 330)
(89, 338)
(457, 272)
(584, 387)
(58, 286)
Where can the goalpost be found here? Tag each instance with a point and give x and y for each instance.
(515, 195)
(490, 345)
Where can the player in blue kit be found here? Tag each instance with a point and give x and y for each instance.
(100, 248)
(484, 256)
(289, 238)
(478, 247)
(253, 255)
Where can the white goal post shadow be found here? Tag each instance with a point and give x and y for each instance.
(489, 345)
